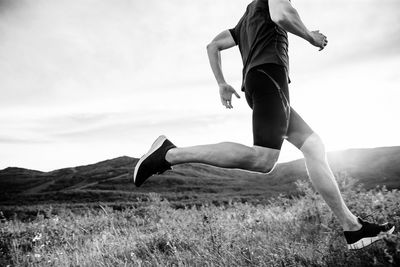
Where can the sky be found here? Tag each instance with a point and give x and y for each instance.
(89, 80)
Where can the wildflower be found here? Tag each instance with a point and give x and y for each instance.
(36, 255)
(37, 237)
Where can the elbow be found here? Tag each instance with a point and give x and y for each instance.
(211, 46)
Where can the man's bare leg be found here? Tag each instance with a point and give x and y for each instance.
(226, 155)
(325, 183)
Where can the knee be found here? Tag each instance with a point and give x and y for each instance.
(264, 163)
(313, 147)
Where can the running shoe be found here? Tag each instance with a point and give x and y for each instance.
(153, 162)
(368, 234)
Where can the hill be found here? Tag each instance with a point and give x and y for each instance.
(108, 181)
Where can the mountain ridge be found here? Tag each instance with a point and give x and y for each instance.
(109, 180)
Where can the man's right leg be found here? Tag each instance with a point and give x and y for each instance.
(163, 154)
(226, 155)
(269, 128)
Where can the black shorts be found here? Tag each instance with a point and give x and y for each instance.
(267, 93)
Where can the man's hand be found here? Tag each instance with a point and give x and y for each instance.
(318, 39)
(226, 91)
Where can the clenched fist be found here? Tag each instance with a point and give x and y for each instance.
(318, 39)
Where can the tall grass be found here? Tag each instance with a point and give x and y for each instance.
(298, 231)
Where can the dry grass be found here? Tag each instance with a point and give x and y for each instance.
(287, 232)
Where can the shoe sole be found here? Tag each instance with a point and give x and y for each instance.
(156, 145)
(362, 243)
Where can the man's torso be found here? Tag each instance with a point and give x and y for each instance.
(259, 39)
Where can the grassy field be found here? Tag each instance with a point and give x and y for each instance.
(297, 231)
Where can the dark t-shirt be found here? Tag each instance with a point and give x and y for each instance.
(259, 39)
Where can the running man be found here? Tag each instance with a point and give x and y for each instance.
(261, 35)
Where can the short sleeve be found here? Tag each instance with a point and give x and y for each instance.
(233, 33)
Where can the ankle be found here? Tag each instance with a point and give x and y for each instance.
(352, 226)
(170, 155)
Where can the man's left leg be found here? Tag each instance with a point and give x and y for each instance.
(324, 181)
(358, 233)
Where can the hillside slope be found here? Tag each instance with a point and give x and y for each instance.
(108, 181)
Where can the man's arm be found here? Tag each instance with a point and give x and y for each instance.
(222, 41)
(286, 17)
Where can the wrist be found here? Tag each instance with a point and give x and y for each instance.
(221, 83)
(309, 36)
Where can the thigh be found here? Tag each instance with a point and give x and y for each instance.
(270, 116)
(298, 130)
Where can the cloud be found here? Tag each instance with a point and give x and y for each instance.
(15, 140)
(74, 73)
(65, 51)
(122, 126)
